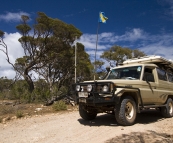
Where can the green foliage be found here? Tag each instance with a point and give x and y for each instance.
(15, 90)
(1, 33)
(24, 28)
(19, 91)
(84, 66)
(59, 105)
(19, 114)
(5, 85)
(41, 91)
(119, 54)
(137, 53)
(101, 71)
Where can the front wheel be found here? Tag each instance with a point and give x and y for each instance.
(86, 115)
(168, 110)
(125, 112)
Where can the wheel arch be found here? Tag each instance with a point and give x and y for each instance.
(134, 96)
(170, 96)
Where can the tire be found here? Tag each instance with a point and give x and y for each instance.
(86, 115)
(168, 110)
(125, 112)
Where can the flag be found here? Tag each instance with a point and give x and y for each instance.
(102, 17)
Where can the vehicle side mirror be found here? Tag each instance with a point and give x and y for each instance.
(107, 69)
(148, 77)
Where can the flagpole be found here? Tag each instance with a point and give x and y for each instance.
(102, 18)
(96, 49)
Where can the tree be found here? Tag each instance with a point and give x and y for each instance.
(101, 70)
(84, 65)
(118, 55)
(137, 53)
(43, 45)
(1, 33)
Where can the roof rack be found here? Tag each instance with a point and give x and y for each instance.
(153, 59)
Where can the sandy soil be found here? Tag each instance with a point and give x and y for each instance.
(70, 128)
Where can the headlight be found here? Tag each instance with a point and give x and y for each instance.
(89, 88)
(105, 88)
(77, 87)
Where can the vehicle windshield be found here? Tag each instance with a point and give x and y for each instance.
(131, 73)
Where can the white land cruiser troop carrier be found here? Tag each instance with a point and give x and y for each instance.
(137, 84)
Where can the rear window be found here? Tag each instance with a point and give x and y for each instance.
(161, 74)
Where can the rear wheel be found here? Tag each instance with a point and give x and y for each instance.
(86, 115)
(125, 112)
(168, 110)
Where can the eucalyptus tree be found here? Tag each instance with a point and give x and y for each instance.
(118, 54)
(45, 45)
(84, 65)
(101, 70)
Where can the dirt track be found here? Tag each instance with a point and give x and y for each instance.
(70, 128)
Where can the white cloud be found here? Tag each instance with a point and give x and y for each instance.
(14, 50)
(134, 35)
(134, 38)
(9, 16)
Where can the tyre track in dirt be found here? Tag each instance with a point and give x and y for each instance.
(70, 128)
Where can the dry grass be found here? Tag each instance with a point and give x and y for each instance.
(9, 111)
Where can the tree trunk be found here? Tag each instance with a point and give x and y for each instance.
(30, 82)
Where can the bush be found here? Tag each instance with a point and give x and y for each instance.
(6, 110)
(19, 114)
(60, 105)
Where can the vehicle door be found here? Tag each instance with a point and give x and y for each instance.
(149, 91)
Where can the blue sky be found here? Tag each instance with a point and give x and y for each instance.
(138, 24)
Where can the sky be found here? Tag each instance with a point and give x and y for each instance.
(146, 25)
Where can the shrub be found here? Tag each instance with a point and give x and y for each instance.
(60, 105)
(6, 110)
(19, 114)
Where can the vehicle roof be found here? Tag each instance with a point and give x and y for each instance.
(134, 64)
(153, 59)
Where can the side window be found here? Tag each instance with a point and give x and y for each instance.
(170, 77)
(161, 74)
(148, 75)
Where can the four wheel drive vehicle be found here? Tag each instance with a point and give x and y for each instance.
(138, 84)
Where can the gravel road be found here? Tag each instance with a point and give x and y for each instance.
(70, 128)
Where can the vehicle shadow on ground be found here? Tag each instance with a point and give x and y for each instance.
(100, 120)
(145, 117)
